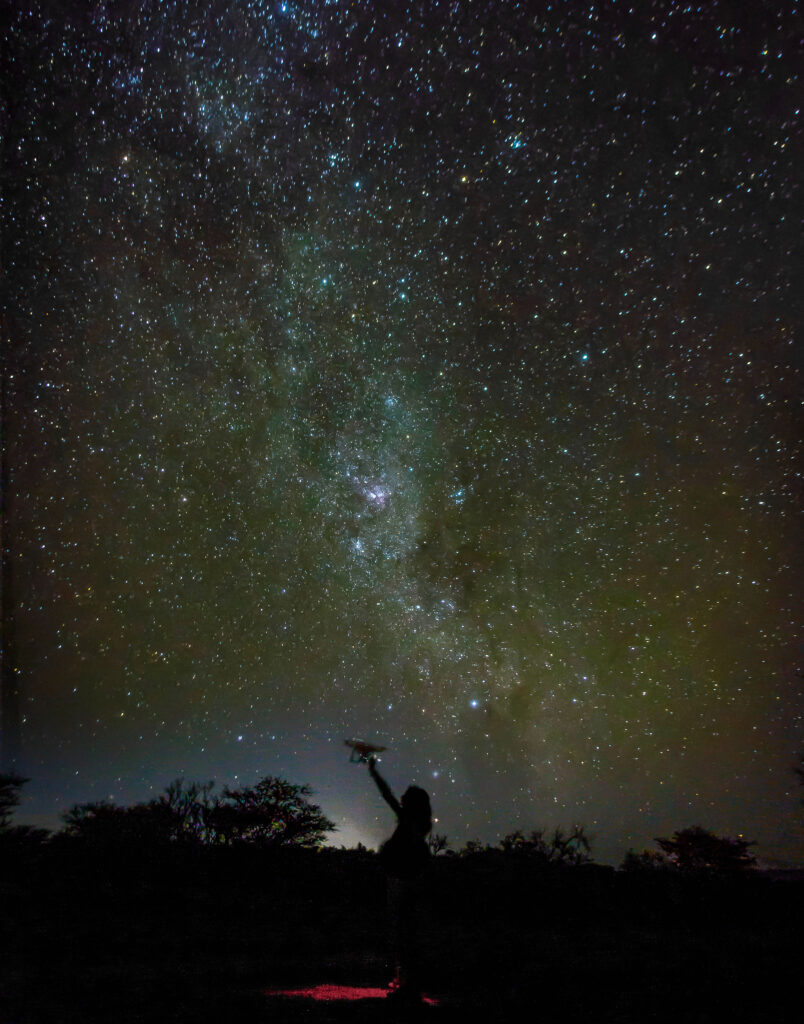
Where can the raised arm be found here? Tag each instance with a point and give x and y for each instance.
(383, 787)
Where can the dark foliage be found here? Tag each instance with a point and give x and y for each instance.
(569, 848)
(272, 813)
(22, 837)
(190, 806)
(198, 932)
(646, 860)
(10, 786)
(696, 849)
(105, 824)
(437, 843)
(176, 924)
(559, 848)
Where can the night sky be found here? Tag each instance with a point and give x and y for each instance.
(419, 372)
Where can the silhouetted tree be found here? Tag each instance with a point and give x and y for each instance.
(181, 814)
(567, 848)
(437, 843)
(16, 835)
(472, 848)
(10, 786)
(696, 849)
(106, 824)
(647, 860)
(191, 809)
(272, 813)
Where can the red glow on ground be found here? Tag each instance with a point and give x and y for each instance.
(337, 993)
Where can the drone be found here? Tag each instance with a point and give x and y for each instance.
(362, 751)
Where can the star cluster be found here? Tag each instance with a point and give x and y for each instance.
(415, 370)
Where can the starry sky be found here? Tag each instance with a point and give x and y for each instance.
(415, 371)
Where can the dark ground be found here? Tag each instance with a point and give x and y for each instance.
(97, 936)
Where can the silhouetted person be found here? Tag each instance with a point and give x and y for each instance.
(404, 856)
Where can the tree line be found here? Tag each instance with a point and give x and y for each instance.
(276, 813)
(272, 813)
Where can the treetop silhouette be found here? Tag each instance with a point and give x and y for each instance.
(272, 813)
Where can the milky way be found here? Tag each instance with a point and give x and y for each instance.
(415, 371)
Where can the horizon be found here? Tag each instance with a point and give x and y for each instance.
(772, 852)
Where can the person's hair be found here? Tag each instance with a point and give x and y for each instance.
(416, 807)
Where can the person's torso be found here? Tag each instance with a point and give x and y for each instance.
(405, 853)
